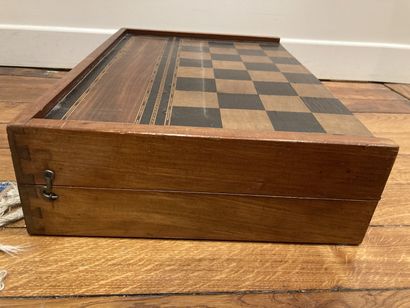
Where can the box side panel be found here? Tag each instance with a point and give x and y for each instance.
(130, 213)
(84, 158)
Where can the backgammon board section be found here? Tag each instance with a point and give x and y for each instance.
(206, 83)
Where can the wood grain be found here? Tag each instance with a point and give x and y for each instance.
(370, 298)
(71, 265)
(6, 165)
(393, 126)
(130, 213)
(10, 110)
(132, 70)
(23, 89)
(31, 72)
(237, 166)
(4, 144)
(402, 89)
(368, 97)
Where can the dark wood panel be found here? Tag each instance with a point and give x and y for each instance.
(129, 213)
(56, 266)
(122, 85)
(275, 164)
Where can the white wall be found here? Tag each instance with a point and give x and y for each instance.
(356, 40)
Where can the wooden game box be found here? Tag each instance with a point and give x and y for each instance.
(196, 136)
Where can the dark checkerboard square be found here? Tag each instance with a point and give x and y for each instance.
(196, 84)
(231, 74)
(240, 101)
(251, 52)
(295, 122)
(225, 57)
(274, 88)
(325, 105)
(284, 60)
(224, 44)
(301, 78)
(197, 117)
(261, 67)
(271, 46)
(195, 48)
(195, 63)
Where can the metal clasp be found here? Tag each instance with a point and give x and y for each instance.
(48, 189)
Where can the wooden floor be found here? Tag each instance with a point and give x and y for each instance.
(89, 271)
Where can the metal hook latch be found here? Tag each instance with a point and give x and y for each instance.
(47, 190)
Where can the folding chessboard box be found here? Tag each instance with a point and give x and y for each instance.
(197, 136)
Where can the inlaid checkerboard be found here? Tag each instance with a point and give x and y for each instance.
(234, 85)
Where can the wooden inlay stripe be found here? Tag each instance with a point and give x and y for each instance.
(83, 86)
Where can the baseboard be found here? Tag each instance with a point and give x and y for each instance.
(62, 47)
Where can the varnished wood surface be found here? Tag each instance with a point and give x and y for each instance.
(241, 164)
(402, 89)
(346, 299)
(74, 265)
(131, 213)
(51, 266)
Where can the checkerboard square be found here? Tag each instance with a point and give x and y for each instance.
(231, 74)
(301, 78)
(195, 55)
(278, 53)
(283, 103)
(195, 99)
(235, 86)
(311, 90)
(251, 52)
(199, 48)
(256, 59)
(295, 122)
(292, 68)
(274, 88)
(195, 63)
(195, 84)
(195, 72)
(223, 50)
(261, 67)
(239, 101)
(233, 65)
(267, 76)
(226, 44)
(342, 124)
(242, 45)
(284, 60)
(197, 117)
(194, 43)
(245, 119)
(225, 57)
(325, 105)
(271, 46)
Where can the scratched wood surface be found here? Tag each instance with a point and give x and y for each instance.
(186, 273)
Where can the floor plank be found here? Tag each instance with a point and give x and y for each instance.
(392, 126)
(4, 144)
(23, 89)
(368, 97)
(6, 166)
(69, 265)
(31, 72)
(10, 110)
(402, 89)
(394, 207)
(371, 298)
